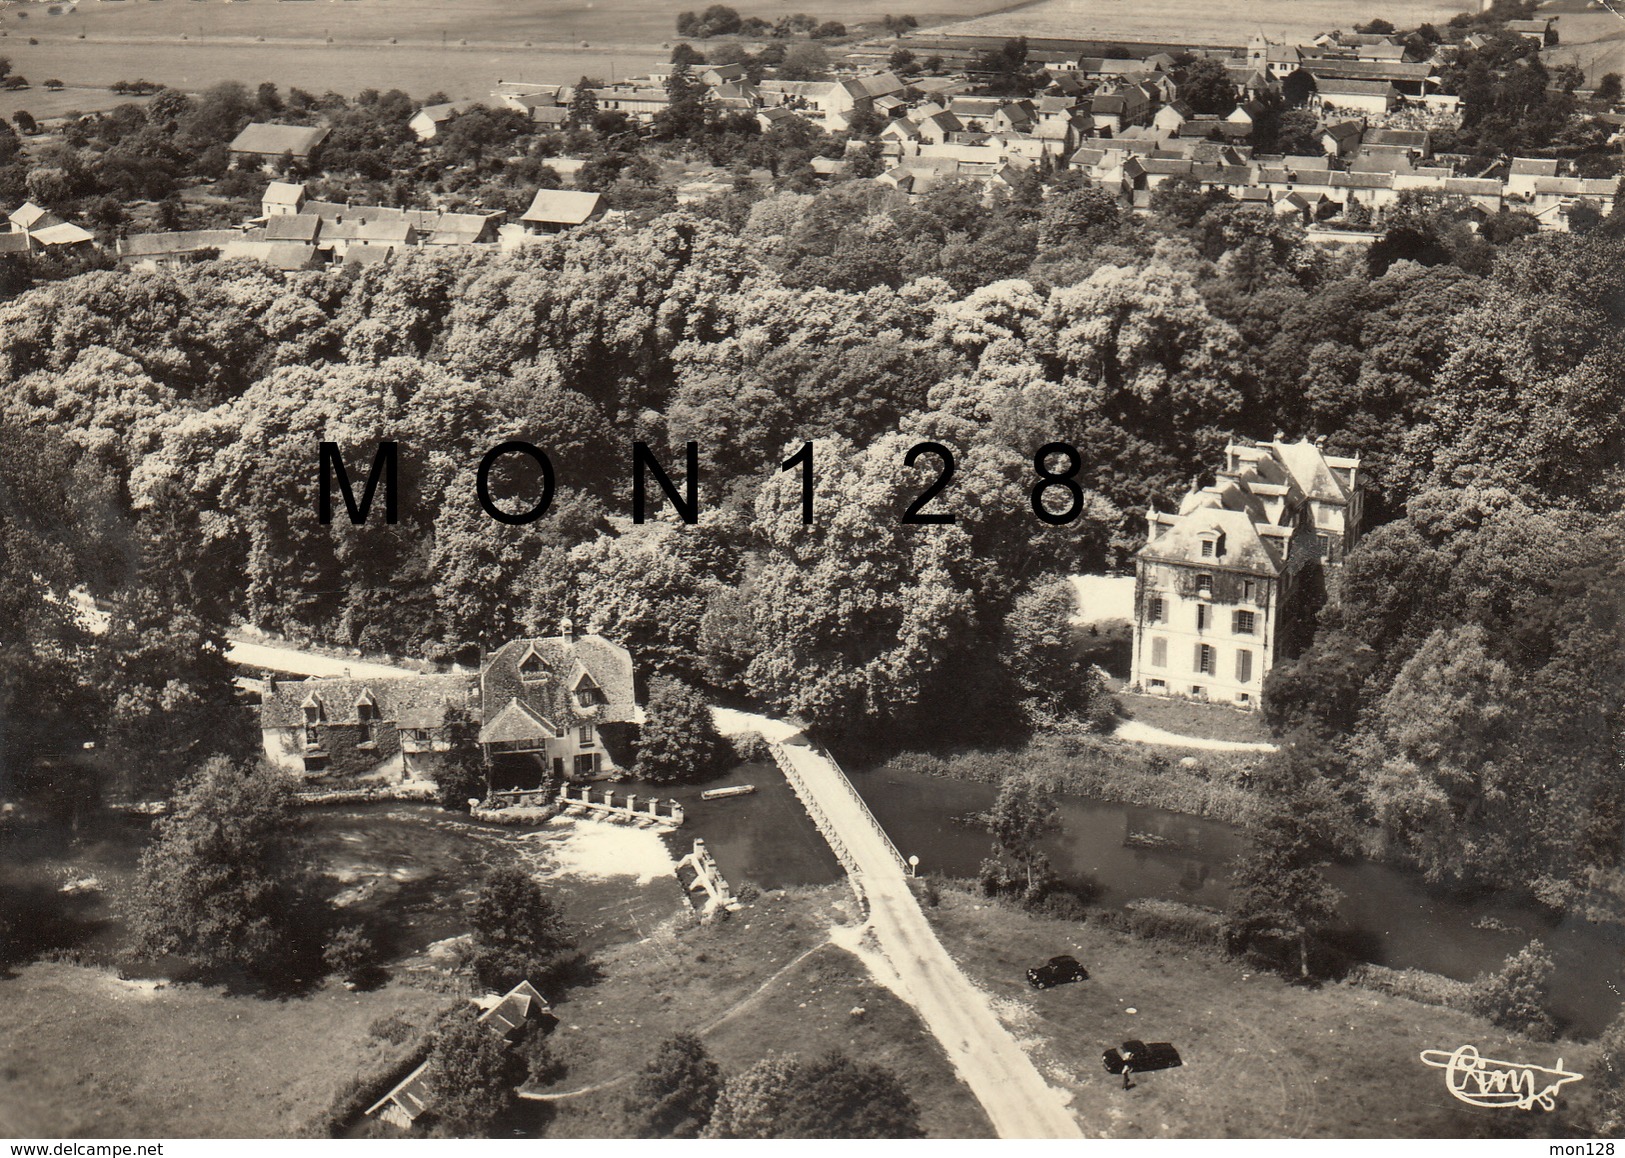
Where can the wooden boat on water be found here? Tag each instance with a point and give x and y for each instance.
(724, 793)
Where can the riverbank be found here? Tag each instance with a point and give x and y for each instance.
(1203, 784)
(1262, 1057)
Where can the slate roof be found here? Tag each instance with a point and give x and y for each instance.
(293, 227)
(416, 698)
(179, 241)
(13, 243)
(412, 1095)
(561, 663)
(1222, 508)
(518, 1005)
(269, 140)
(1367, 88)
(1367, 70)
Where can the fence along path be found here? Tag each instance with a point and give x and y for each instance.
(1018, 1101)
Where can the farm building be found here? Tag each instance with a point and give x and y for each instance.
(268, 144)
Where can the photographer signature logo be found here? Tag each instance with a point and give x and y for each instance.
(1482, 1081)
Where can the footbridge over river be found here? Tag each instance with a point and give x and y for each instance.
(1017, 1099)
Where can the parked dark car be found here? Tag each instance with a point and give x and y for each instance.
(1141, 1057)
(1057, 971)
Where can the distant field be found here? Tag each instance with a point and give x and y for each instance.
(1200, 21)
(1594, 40)
(514, 21)
(419, 69)
(44, 104)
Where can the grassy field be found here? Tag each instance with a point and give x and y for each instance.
(85, 1055)
(1199, 22)
(767, 980)
(1263, 1059)
(1189, 718)
(1594, 39)
(461, 49)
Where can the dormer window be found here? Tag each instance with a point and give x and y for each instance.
(1212, 544)
(531, 666)
(589, 694)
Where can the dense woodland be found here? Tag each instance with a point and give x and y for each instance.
(1463, 687)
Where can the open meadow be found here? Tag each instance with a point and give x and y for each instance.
(1262, 1058)
(348, 45)
(1197, 22)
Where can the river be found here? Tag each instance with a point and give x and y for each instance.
(413, 866)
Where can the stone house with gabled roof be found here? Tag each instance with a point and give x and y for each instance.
(559, 708)
(1218, 580)
(384, 729)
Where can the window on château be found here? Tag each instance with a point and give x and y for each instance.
(1159, 652)
(1207, 548)
(1204, 584)
(1244, 666)
(1205, 659)
(1202, 610)
(1155, 610)
(584, 735)
(1241, 622)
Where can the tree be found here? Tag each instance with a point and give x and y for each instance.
(24, 120)
(472, 1074)
(1609, 1075)
(830, 1097)
(1442, 744)
(1279, 896)
(1515, 998)
(461, 775)
(676, 1092)
(679, 740)
(224, 883)
(1298, 134)
(583, 105)
(519, 932)
(804, 60)
(1052, 683)
(1207, 87)
(1608, 89)
(684, 53)
(1023, 813)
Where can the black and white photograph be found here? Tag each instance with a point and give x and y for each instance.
(1042, 570)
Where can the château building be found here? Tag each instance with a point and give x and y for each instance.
(1217, 581)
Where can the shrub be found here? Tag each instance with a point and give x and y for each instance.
(1058, 905)
(1414, 984)
(394, 1028)
(348, 952)
(1515, 998)
(1175, 921)
(750, 748)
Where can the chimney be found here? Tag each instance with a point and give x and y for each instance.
(270, 683)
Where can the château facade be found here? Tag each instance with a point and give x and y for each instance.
(1218, 580)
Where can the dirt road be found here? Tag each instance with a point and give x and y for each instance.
(1017, 1099)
